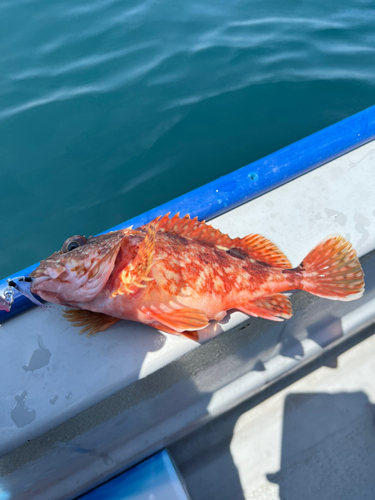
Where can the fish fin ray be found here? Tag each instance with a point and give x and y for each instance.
(92, 322)
(332, 270)
(260, 248)
(193, 335)
(254, 245)
(132, 277)
(180, 320)
(276, 307)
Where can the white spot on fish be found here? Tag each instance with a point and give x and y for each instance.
(218, 285)
(201, 280)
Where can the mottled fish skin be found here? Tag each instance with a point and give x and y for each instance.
(190, 274)
(178, 274)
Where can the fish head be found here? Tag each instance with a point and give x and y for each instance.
(79, 271)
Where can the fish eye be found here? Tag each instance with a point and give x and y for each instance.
(73, 242)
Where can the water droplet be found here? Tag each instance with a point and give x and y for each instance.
(68, 395)
(54, 399)
(339, 217)
(106, 459)
(39, 358)
(21, 415)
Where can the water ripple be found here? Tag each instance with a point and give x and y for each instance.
(59, 95)
(125, 105)
(80, 64)
(89, 8)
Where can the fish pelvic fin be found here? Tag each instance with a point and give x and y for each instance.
(332, 270)
(92, 322)
(254, 245)
(276, 307)
(135, 274)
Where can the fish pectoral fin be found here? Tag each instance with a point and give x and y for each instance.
(260, 248)
(180, 320)
(135, 274)
(276, 307)
(92, 322)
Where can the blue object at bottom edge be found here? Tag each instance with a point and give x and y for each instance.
(154, 478)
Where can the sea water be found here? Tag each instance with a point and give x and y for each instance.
(111, 107)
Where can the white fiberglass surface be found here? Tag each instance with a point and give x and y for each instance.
(50, 373)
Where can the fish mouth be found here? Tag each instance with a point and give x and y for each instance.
(48, 272)
(41, 277)
(55, 298)
(51, 279)
(38, 281)
(50, 289)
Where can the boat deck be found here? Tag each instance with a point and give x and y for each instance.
(305, 438)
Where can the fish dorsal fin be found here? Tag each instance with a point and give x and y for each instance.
(93, 322)
(254, 245)
(260, 248)
(136, 272)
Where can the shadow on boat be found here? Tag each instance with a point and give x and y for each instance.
(328, 447)
(327, 452)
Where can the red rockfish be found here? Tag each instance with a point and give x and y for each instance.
(178, 274)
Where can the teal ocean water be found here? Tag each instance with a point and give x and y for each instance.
(109, 108)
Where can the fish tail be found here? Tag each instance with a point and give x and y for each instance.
(332, 270)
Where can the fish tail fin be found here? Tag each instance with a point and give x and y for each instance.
(332, 270)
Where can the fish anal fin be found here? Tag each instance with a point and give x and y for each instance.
(276, 307)
(191, 335)
(135, 274)
(92, 322)
(179, 320)
(194, 335)
(254, 245)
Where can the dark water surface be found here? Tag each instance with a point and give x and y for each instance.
(109, 108)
